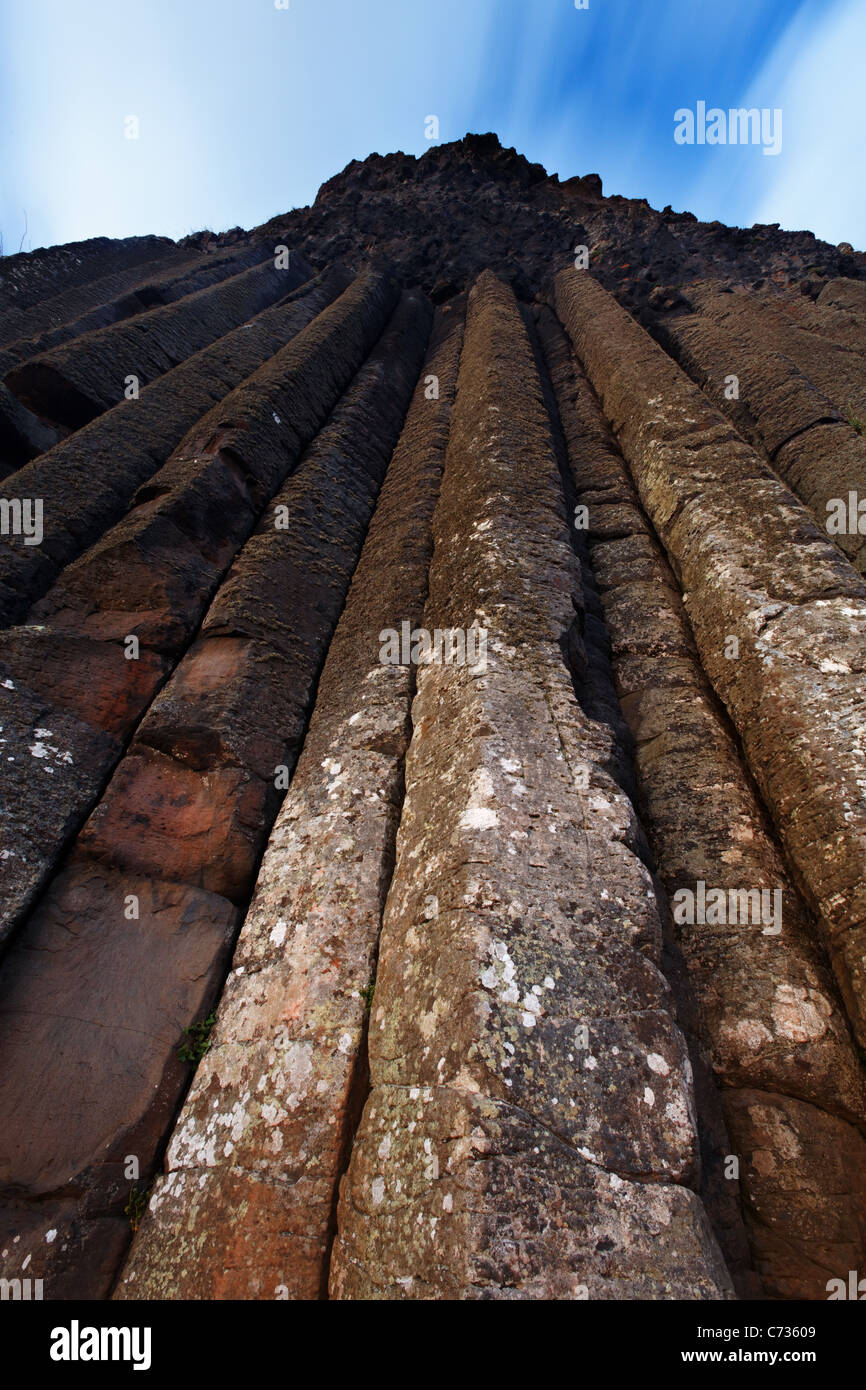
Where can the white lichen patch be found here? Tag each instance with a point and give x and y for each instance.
(800, 1015)
(478, 816)
(500, 976)
(278, 933)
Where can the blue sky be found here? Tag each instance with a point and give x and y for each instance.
(244, 109)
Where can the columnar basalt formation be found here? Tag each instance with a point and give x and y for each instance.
(68, 316)
(123, 448)
(530, 1092)
(150, 577)
(183, 820)
(773, 404)
(265, 1161)
(433, 751)
(766, 1010)
(797, 613)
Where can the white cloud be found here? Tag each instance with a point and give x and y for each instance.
(815, 75)
(821, 185)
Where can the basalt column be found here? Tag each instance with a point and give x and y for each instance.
(778, 613)
(529, 1131)
(68, 672)
(129, 944)
(261, 1143)
(766, 1011)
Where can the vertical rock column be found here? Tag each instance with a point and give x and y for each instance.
(529, 1131)
(122, 449)
(782, 413)
(755, 571)
(767, 1012)
(128, 946)
(830, 352)
(261, 1143)
(151, 576)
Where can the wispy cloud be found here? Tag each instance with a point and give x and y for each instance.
(813, 75)
(246, 109)
(821, 183)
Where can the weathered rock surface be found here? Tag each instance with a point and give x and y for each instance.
(287, 1065)
(70, 315)
(782, 413)
(31, 283)
(197, 787)
(184, 818)
(765, 1009)
(151, 576)
(566, 1086)
(754, 567)
(76, 381)
(517, 990)
(122, 449)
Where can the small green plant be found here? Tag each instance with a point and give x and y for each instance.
(367, 994)
(199, 1040)
(855, 422)
(136, 1207)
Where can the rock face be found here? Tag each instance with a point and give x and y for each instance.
(433, 752)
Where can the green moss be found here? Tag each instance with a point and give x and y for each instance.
(199, 1040)
(136, 1206)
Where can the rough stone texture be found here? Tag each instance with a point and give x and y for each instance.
(197, 789)
(517, 914)
(557, 801)
(53, 766)
(184, 818)
(796, 1157)
(151, 577)
(76, 381)
(492, 1205)
(754, 566)
(781, 412)
(122, 449)
(34, 280)
(836, 366)
(288, 1060)
(69, 315)
(472, 204)
(765, 1009)
(92, 1008)
(23, 435)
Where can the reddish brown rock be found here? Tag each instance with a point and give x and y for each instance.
(796, 1157)
(193, 818)
(521, 1040)
(287, 1066)
(150, 579)
(541, 1141)
(93, 1003)
(196, 793)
